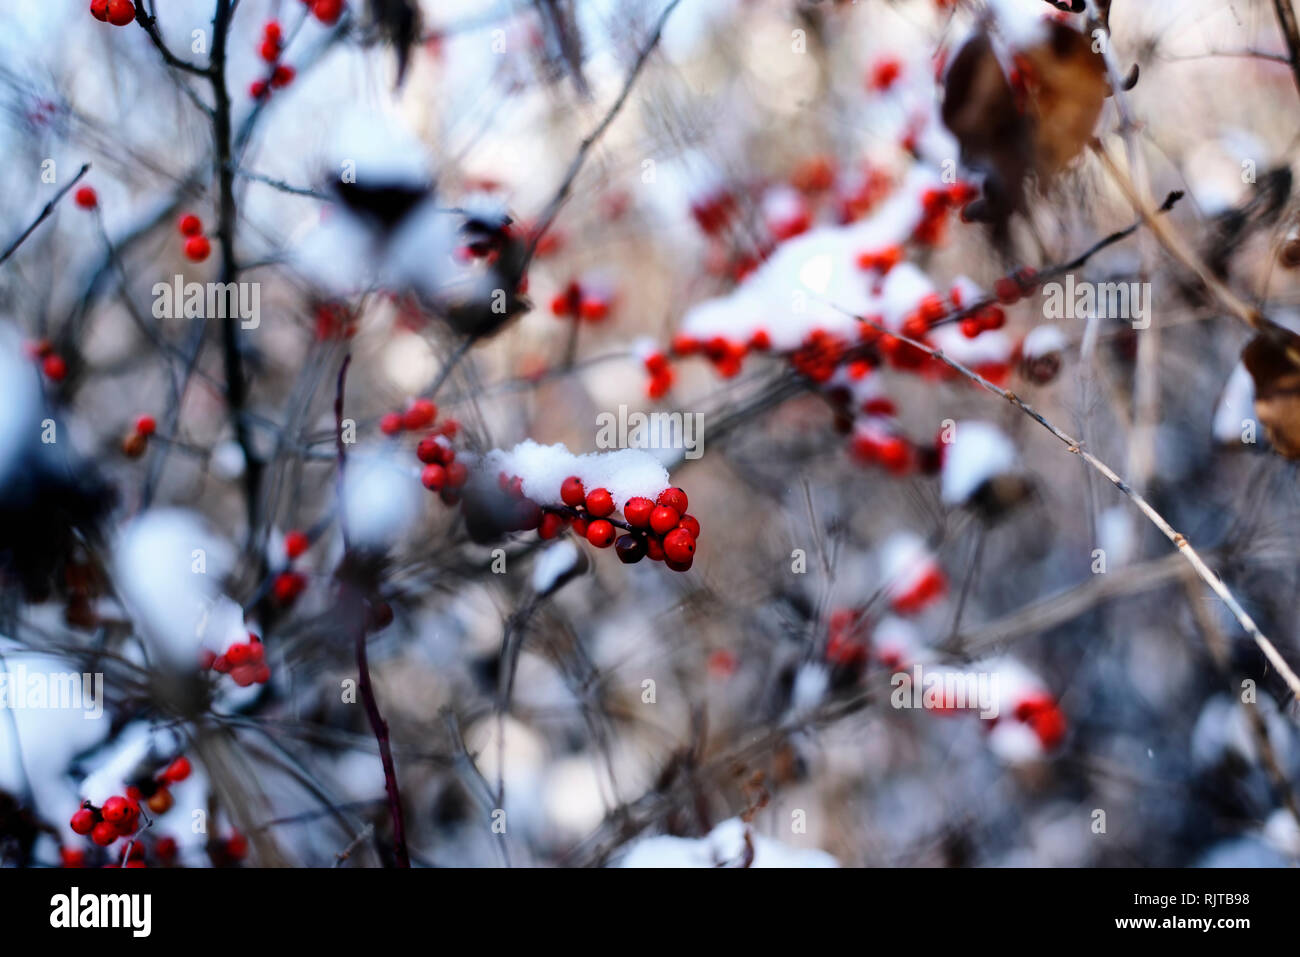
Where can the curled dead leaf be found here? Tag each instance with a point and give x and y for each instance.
(1273, 360)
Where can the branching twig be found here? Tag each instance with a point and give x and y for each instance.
(44, 214)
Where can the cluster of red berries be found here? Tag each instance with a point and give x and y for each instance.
(281, 73)
(441, 472)
(289, 584)
(661, 375)
(53, 365)
(726, 356)
(847, 643)
(117, 12)
(197, 246)
(895, 454)
(661, 530)
(1011, 288)
(86, 197)
(120, 815)
(935, 206)
(244, 661)
(137, 440)
(326, 11)
(579, 302)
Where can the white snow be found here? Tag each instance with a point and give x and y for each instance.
(1043, 340)
(980, 451)
(811, 682)
(905, 560)
(723, 846)
(1236, 407)
(625, 473)
(381, 498)
(20, 399)
(169, 566)
(554, 563)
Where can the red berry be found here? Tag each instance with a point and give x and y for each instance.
(283, 75)
(679, 566)
(637, 511)
(600, 533)
(270, 51)
(72, 857)
(664, 519)
(421, 413)
(116, 809)
(54, 367)
(600, 503)
(593, 309)
(86, 198)
(256, 651)
(190, 225)
(572, 493)
(434, 477)
(630, 548)
(391, 423)
(177, 771)
(83, 822)
(104, 834)
(327, 11)
(237, 654)
(146, 425)
(654, 549)
(970, 328)
(551, 525)
(220, 665)
(166, 849)
(679, 546)
(295, 543)
(197, 248)
(288, 586)
(1007, 289)
(272, 31)
(579, 525)
(120, 12)
(449, 428)
(99, 10)
(258, 89)
(457, 474)
(691, 524)
(674, 498)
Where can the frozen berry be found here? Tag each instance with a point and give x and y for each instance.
(237, 654)
(691, 524)
(327, 11)
(72, 857)
(664, 519)
(83, 822)
(99, 10)
(679, 545)
(679, 566)
(161, 802)
(295, 543)
(104, 834)
(572, 493)
(86, 198)
(654, 549)
(390, 424)
(190, 225)
(429, 451)
(637, 511)
(674, 498)
(630, 549)
(600, 503)
(146, 425)
(282, 76)
(579, 526)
